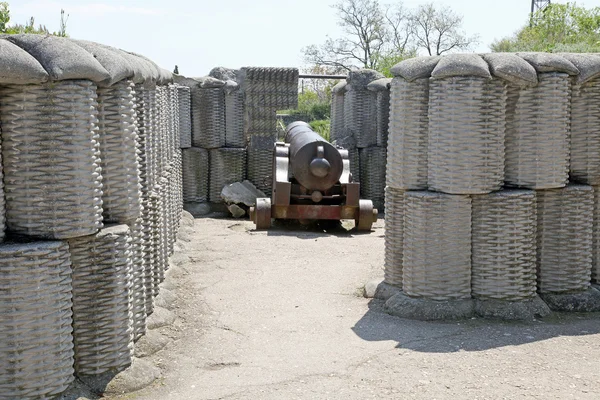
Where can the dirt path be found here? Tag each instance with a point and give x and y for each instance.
(279, 315)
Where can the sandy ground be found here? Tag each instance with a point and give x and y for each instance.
(280, 315)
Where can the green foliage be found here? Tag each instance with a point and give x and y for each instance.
(311, 107)
(322, 127)
(385, 63)
(29, 26)
(557, 28)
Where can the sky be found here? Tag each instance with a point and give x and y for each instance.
(198, 35)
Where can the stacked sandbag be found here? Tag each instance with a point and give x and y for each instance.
(36, 350)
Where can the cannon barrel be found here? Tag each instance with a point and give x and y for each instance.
(315, 163)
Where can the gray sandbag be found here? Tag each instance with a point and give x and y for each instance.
(511, 68)
(165, 76)
(415, 68)
(587, 64)
(208, 82)
(151, 65)
(548, 62)
(117, 66)
(142, 73)
(19, 67)
(61, 58)
(360, 78)
(380, 85)
(230, 86)
(223, 74)
(339, 88)
(461, 65)
(185, 81)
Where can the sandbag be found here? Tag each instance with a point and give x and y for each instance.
(461, 65)
(511, 68)
(415, 68)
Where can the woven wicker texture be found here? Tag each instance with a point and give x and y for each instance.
(208, 118)
(466, 135)
(163, 131)
(383, 117)
(260, 121)
(151, 127)
(260, 169)
(2, 202)
(226, 166)
(234, 119)
(372, 175)
(596, 237)
(337, 116)
(138, 273)
(537, 143)
(394, 231)
(271, 87)
(101, 308)
(174, 134)
(185, 116)
(36, 350)
(437, 246)
(407, 140)
(195, 175)
(564, 239)
(354, 158)
(159, 260)
(121, 198)
(53, 185)
(504, 245)
(360, 116)
(585, 133)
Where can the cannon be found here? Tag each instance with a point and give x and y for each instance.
(311, 182)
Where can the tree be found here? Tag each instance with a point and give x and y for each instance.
(438, 31)
(558, 27)
(29, 26)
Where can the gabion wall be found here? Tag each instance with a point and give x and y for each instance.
(92, 169)
(491, 197)
(234, 128)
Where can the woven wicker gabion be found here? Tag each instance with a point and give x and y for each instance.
(174, 134)
(372, 175)
(383, 117)
(195, 175)
(151, 127)
(596, 237)
(407, 140)
(394, 231)
(2, 202)
(437, 246)
(275, 88)
(466, 135)
(360, 116)
(159, 260)
(208, 118)
(118, 148)
(354, 158)
(260, 121)
(36, 350)
(53, 186)
(504, 245)
(234, 119)
(564, 238)
(102, 311)
(185, 116)
(585, 133)
(537, 141)
(337, 115)
(260, 169)
(138, 273)
(227, 166)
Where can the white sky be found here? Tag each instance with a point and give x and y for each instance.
(198, 35)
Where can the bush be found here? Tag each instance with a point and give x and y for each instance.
(322, 127)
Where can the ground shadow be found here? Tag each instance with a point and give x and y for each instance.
(474, 334)
(315, 229)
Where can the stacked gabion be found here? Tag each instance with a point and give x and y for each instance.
(491, 122)
(260, 163)
(394, 233)
(337, 111)
(185, 116)
(227, 165)
(372, 175)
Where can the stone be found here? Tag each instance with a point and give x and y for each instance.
(161, 317)
(471, 65)
(415, 68)
(548, 62)
(151, 343)
(400, 305)
(236, 211)
(376, 289)
(197, 209)
(19, 67)
(512, 310)
(208, 82)
(241, 193)
(61, 57)
(139, 375)
(78, 391)
(165, 299)
(511, 68)
(587, 301)
(223, 74)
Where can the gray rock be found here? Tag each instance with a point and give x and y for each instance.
(197, 209)
(512, 310)
(403, 306)
(360, 78)
(223, 74)
(461, 65)
(231, 86)
(339, 88)
(415, 68)
(512, 68)
(548, 62)
(376, 289)
(588, 301)
(208, 82)
(241, 193)
(19, 67)
(151, 343)
(187, 219)
(236, 211)
(161, 317)
(61, 57)
(117, 66)
(587, 64)
(380, 85)
(140, 374)
(165, 299)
